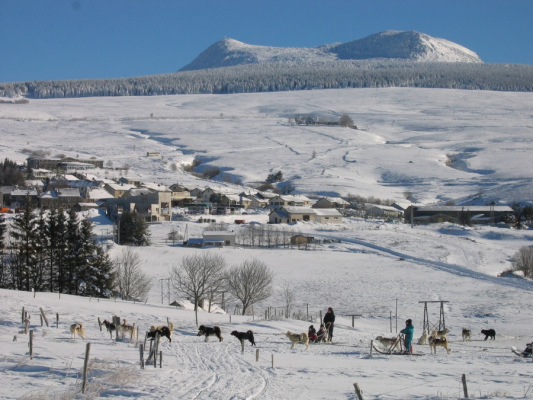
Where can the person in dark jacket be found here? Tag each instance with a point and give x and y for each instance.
(408, 331)
(312, 334)
(329, 320)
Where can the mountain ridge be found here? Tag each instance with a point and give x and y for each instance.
(400, 45)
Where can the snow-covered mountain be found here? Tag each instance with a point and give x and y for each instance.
(404, 45)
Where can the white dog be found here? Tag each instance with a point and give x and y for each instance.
(389, 343)
(424, 338)
(434, 342)
(77, 330)
(296, 338)
(467, 335)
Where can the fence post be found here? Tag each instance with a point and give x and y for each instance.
(31, 344)
(141, 351)
(358, 391)
(23, 315)
(57, 320)
(353, 321)
(85, 366)
(161, 359)
(371, 346)
(272, 360)
(100, 324)
(44, 316)
(465, 389)
(156, 349)
(256, 355)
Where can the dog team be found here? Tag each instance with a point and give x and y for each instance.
(438, 338)
(324, 334)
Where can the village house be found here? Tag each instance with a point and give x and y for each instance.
(129, 181)
(64, 198)
(289, 201)
(379, 211)
(234, 201)
(70, 166)
(40, 173)
(54, 163)
(328, 216)
(118, 190)
(18, 197)
(153, 207)
(331, 202)
(257, 202)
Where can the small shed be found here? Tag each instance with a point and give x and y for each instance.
(226, 237)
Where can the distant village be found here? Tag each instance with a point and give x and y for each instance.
(74, 187)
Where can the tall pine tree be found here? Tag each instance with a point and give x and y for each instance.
(24, 233)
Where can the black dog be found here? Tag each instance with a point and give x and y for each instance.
(242, 336)
(110, 327)
(161, 330)
(489, 333)
(210, 331)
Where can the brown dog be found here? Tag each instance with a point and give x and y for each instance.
(434, 342)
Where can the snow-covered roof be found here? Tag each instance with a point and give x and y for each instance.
(327, 212)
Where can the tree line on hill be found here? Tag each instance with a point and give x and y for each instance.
(273, 77)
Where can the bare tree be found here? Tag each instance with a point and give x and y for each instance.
(250, 282)
(345, 120)
(197, 275)
(288, 297)
(523, 261)
(130, 281)
(174, 235)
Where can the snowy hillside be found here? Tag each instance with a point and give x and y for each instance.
(389, 44)
(470, 147)
(375, 268)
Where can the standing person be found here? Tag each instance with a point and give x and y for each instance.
(329, 320)
(408, 331)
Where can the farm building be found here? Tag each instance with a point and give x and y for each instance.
(438, 214)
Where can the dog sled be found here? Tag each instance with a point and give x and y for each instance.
(528, 351)
(391, 349)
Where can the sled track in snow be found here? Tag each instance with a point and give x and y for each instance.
(216, 370)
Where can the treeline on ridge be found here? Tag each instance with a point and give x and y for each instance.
(273, 77)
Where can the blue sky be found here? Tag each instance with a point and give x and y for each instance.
(77, 39)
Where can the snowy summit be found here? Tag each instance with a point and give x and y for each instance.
(401, 45)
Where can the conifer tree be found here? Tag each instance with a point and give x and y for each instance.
(95, 276)
(73, 259)
(24, 234)
(133, 230)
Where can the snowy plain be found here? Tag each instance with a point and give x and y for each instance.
(368, 269)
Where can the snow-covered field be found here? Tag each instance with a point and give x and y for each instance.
(375, 267)
(403, 145)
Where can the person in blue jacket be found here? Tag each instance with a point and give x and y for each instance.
(408, 331)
